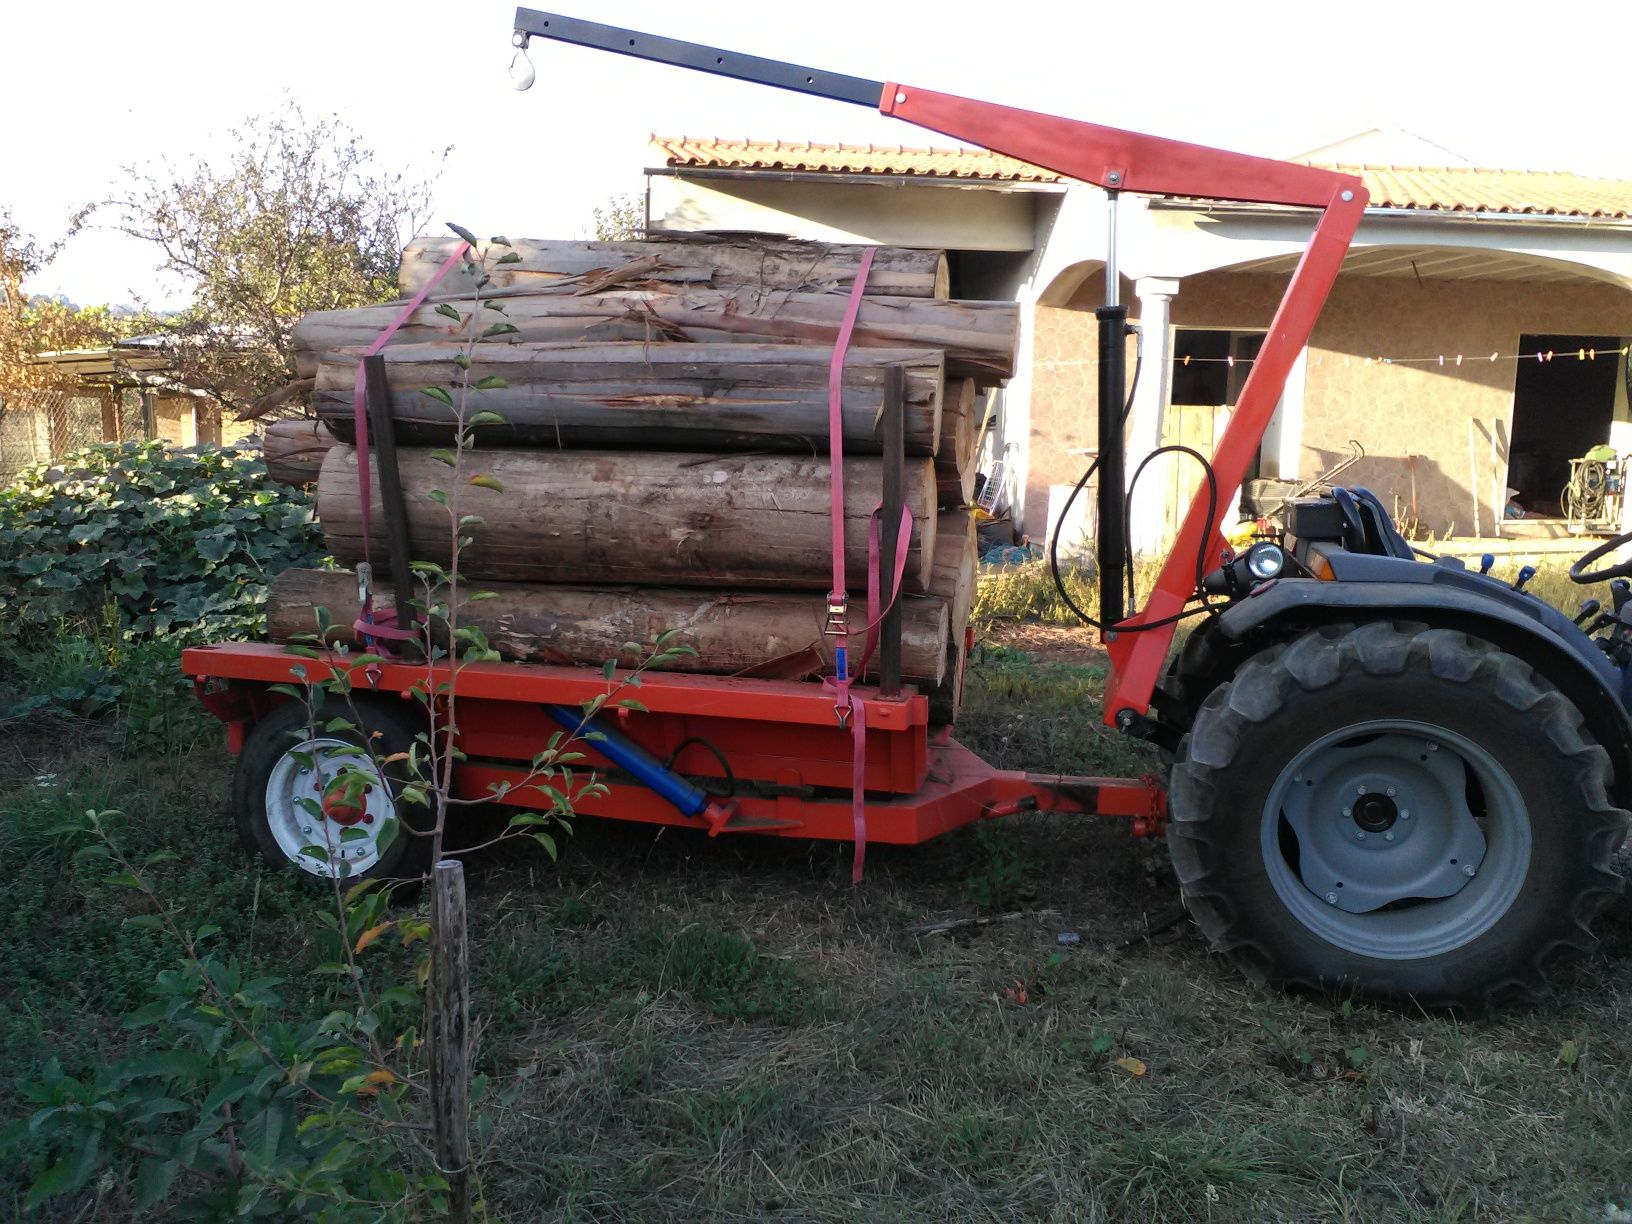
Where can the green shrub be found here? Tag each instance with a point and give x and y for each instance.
(174, 540)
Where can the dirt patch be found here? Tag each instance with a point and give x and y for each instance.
(1076, 644)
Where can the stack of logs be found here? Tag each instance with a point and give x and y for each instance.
(662, 458)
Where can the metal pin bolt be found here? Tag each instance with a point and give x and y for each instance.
(1388, 836)
(1360, 790)
(1297, 777)
(1468, 870)
(306, 829)
(1433, 747)
(900, 98)
(1115, 176)
(1391, 792)
(1359, 835)
(1405, 814)
(1348, 811)
(1331, 898)
(1347, 196)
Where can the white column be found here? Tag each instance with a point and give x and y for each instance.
(1014, 443)
(1149, 406)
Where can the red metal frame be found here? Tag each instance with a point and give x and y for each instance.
(1128, 161)
(781, 739)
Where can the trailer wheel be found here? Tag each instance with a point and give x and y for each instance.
(289, 808)
(1401, 812)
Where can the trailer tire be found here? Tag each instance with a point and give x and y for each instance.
(1299, 855)
(273, 791)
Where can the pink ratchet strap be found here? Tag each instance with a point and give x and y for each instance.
(849, 711)
(376, 629)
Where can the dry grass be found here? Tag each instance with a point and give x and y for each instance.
(846, 1069)
(727, 1029)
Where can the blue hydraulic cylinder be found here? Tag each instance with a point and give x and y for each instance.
(633, 759)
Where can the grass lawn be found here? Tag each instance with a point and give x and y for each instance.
(727, 1029)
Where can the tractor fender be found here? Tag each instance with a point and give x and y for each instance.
(1519, 624)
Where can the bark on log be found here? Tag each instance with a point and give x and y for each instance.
(979, 338)
(293, 450)
(731, 631)
(675, 518)
(698, 397)
(704, 261)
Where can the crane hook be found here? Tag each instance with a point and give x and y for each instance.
(522, 73)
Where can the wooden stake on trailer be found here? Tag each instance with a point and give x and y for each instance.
(891, 426)
(391, 500)
(450, 1034)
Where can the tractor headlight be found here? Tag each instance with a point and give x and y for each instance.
(1265, 561)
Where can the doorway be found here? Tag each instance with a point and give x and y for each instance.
(1562, 408)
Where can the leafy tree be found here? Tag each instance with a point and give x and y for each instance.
(620, 219)
(33, 325)
(297, 217)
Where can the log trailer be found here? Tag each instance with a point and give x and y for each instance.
(1386, 773)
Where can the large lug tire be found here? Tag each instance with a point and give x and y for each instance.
(278, 790)
(1396, 812)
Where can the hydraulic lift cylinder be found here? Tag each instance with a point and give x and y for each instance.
(1112, 533)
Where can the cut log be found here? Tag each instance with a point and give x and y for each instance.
(955, 489)
(731, 631)
(293, 450)
(957, 450)
(955, 565)
(704, 261)
(698, 397)
(979, 338)
(646, 518)
(952, 577)
(956, 456)
(946, 698)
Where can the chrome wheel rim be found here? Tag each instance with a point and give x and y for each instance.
(295, 813)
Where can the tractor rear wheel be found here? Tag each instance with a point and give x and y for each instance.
(1395, 811)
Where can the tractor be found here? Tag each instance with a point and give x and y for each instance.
(1388, 774)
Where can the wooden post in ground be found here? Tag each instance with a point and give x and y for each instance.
(450, 1034)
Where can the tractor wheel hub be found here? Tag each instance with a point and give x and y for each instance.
(1375, 813)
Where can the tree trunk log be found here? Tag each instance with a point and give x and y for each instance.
(955, 565)
(698, 397)
(953, 576)
(946, 698)
(681, 519)
(706, 261)
(731, 631)
(979, 338)
(293, 450)
(955, 458)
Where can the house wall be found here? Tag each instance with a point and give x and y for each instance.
(892, 213)
(1395, 410)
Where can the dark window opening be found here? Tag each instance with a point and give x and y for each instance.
(1561, 409)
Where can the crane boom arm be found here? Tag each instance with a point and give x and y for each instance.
(1116, 160)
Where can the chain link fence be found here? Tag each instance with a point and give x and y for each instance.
(44, 424)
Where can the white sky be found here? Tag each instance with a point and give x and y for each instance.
(95, 85)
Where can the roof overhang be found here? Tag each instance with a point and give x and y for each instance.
(749, 174)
